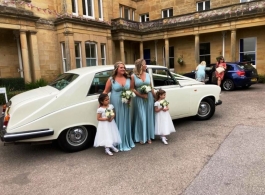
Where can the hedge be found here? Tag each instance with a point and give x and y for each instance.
(12, 84)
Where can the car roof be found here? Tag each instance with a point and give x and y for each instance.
(91, 69)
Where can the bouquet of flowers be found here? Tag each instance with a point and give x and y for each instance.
(145, 89)
(164, 103)
(109, 113)
(126, 96)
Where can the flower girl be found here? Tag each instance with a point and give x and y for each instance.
(107, 131)
(163, 122)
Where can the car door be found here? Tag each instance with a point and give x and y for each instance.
(177, 96)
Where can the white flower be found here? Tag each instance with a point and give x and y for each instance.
(126, 96)
(124, 100)
(145, 88)
(164, 103)
(109, 113)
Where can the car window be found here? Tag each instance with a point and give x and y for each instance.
(63, 80)
(99, 82)
(245, 66)
(162, 77)
(229, 67)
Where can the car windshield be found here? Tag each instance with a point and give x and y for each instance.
(245, 66)
(63, 80)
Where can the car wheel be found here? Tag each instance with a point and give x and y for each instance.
(206, 109)
(76, 138)
(228, 85)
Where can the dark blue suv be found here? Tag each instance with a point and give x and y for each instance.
(237, 74)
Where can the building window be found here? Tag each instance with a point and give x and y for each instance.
(205, 52)
(100, 10)
(243, 1)
(127, 12)
(74, 7)
(65, 69)
(103, 54)
(144, 18)
(91, 54)
(171, 57)
(167, 13)
(203, 5)
(133, 13)
(88, 8)
(247, 51)
(78, 59)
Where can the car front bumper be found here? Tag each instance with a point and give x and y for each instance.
(219, 102)
(11, 137)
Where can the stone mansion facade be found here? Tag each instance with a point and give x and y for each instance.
(42, 39)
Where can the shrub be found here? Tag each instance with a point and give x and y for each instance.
(261, 78)
(13, 84)
(38, 83)
(9, 94)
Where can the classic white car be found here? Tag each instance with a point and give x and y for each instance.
(65, 110)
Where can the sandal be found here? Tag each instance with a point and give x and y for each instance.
(149, 141)
(141, 142)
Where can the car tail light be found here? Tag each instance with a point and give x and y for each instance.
(4, 108)
(240, 73)
(6, 120)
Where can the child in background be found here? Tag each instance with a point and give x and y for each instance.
(107, 132)
(163, 122)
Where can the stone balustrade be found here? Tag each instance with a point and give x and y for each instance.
(231, 12)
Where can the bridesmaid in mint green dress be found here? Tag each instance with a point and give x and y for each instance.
(115, 85)
(143, 123)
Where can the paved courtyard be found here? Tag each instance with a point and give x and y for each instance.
(224, 155)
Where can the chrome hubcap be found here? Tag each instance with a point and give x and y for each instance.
(76, 136)
(204, 109)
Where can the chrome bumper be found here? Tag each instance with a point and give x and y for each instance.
(219, 102)
(11, 137)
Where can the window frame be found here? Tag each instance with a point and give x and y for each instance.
(75, 2)
(168, 11)
(203, 9)
(63, 56)
(100, 10)
(80, 52)
(246, 52)
(245, 1)
(146, 16)
(201, 55)
(86, 9)
(96, 53)
(171, 57)
(103, 46)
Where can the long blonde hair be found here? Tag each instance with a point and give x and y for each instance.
(138, 67)
(114, 72)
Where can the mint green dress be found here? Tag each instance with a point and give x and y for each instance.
(143, 122)
(123, 115)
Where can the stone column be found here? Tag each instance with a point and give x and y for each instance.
(25, 56)
(35, 55)
(233, 45)
(141, 49)
(197, 49)
(109, 52)
(122, 50)
(166, 53)
(68, 46)
(72, 50)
